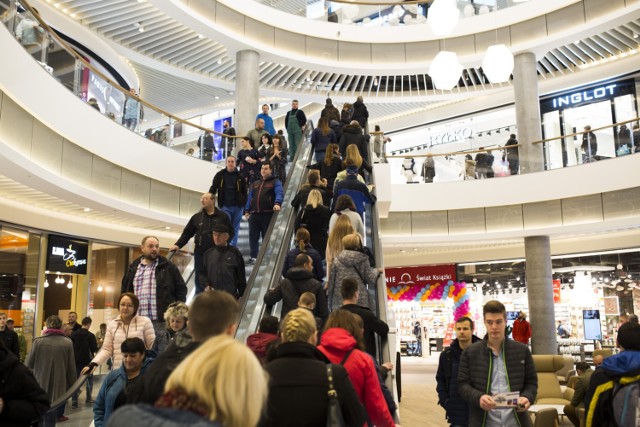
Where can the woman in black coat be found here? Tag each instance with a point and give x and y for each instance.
(22, 400)
(298, 380)
(352, 134)
(315, 218)
(329, 166)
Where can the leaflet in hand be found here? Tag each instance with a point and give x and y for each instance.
(506, 400)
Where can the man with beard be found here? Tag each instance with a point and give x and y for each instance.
(200, 227)
(155, 281)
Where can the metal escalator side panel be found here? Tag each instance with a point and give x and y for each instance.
(274, 247)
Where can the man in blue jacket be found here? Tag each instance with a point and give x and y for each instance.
(268, 121)
(447, 375)
(265, 198)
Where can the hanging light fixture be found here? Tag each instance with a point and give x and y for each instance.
(497, 64)
(445, 70)
(443, 17)
(100, 287)
(46, 283)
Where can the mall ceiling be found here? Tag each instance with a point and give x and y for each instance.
(165, 43)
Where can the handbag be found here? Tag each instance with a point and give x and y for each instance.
(334, 413)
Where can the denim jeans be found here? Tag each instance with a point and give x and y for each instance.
(235, 215)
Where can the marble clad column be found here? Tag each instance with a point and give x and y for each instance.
(540, 294)
(247, 92)
(525, 91)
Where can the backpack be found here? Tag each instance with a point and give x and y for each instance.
(625, 401)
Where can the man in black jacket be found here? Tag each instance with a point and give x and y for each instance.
(211, 313)
(9, 337)
(223, 265)
(497, 365)
(155, 281)
(200, 227)
(457, 412)
(84, 348)
(231, 190)
(298, 280)
(372, 325)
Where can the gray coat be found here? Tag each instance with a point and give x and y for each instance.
(353, 264)
(474, 377)
(53, 363)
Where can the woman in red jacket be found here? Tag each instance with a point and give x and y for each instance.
(521, 329)
(342, 343)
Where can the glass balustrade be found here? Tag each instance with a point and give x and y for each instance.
(74, 71)
(371, 13)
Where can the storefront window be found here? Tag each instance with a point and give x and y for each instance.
(19, 257)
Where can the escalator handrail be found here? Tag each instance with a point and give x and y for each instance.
(283, 244)
(67, 395)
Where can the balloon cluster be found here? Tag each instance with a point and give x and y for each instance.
(437, 291)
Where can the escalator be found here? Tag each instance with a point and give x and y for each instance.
(274, 248)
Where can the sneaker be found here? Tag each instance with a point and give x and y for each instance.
(88, 400)
(74, 405)
(251, 261)
(62, 419)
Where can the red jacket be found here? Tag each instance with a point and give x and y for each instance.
(259, 343)
(521, 331)
(334, 344)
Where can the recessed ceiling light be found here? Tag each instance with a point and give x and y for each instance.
(87, 209)
(167, 228)
(200, 36)
(216, 97)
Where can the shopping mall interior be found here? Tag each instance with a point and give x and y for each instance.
(440, 90)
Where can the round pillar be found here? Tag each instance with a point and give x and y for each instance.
(525, 91)
(540, 294)
(247, 91)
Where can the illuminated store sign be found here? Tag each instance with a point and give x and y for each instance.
(455, 135)
(584, 96)
(67, 255)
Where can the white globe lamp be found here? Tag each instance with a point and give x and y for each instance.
(497, 64)
(443, 16)
(445, 70)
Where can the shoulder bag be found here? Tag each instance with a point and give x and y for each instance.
(334, 413)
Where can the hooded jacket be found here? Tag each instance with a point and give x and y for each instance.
(597, 400)
(24, 400)
(296, 282)
(259, 343)
(112, 385)
(330, 112)
(335, 344)
(474, 377)
(457, 410)
(521, 331)
(170, 286)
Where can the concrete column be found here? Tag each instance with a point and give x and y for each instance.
(540, 293)
(525, 91)
(247, 92)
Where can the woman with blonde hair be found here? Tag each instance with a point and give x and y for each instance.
(303, 245)
(351, 262)
(354, 158)
(176, 318)
(298, 379)
(315, 216)
(341, 228)
(219, 384)
(330, 166)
